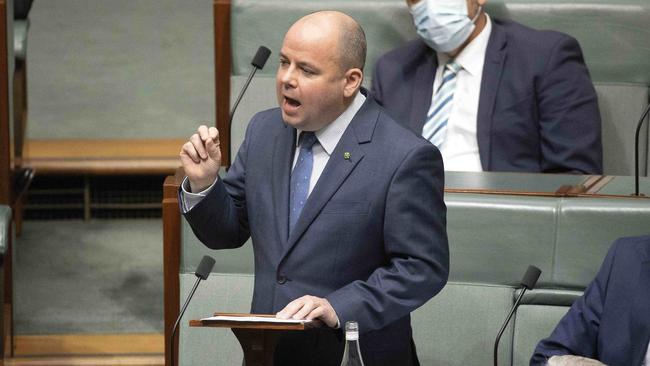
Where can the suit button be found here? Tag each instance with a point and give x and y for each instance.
(282, 280)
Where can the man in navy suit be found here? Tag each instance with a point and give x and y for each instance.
(517, 99)
(611, 321)
(344, 206)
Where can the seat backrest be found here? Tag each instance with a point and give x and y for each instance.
(238, 260)
(223, 292)
(492, 239)
(536, 317)
(586, 228)
(458, 326)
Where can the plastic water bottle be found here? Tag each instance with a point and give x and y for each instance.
(352, 353)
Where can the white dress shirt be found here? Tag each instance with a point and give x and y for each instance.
(460, 150)
(647, 356)
(328, 137)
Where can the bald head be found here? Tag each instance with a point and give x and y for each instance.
(349, 37)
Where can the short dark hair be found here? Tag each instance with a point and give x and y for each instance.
(353, 46)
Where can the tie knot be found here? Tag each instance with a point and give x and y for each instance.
(452, 67)
(307, 140)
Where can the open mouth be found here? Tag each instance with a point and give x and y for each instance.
(291, 102)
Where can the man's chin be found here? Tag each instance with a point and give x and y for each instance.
(293, 121)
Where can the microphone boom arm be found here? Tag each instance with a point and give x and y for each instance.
(503, 327)
(178, 320)
(234, 108)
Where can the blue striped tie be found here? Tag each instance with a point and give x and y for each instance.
(435, 128)
(300, 177)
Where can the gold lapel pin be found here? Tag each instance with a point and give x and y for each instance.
(346, 155)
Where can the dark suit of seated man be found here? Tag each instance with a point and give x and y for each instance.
(344, 206)
(611, 321)
(511, 98)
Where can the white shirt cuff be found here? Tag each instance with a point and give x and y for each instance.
(189, 199)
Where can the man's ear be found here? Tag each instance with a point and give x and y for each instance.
(353, 79)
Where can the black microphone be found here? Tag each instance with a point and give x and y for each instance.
(636, 150)
(202, 273)
(258, 62)
(528, 282)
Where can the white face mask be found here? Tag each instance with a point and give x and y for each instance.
(443, 24)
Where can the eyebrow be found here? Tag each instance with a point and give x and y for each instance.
(302, 63)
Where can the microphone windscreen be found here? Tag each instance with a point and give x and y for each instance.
(205, 267)
(261, 56)
(530, 277)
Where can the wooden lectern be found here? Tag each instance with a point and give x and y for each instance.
(257, 338)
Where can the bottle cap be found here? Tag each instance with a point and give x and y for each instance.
(351, 331)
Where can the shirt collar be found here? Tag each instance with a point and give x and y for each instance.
(472, 57)
(329, 136)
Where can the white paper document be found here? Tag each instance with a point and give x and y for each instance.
(253, 319)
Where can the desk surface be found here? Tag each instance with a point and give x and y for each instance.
(537, 184)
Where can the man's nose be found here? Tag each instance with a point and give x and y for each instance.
(288, 77)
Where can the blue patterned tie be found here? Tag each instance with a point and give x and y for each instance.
(300, 177)
(435, 128)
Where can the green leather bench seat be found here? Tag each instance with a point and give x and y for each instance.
(533, 323)
(224, 292)
(586, 228)
(492, 238)
(458, 326)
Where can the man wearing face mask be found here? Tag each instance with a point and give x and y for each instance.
(492, 95)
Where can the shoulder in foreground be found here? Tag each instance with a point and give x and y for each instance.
(523, 35)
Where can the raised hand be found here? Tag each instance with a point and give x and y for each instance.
(201, 158)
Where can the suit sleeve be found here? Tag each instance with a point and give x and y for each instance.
(569, 116)
(415, 242)
(220, 220)
(577, 332)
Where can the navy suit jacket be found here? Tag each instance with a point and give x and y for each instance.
(611, 321)
(537, 112)
(371, 238)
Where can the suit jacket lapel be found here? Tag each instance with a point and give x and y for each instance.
(283, 151)
(640, 332)
(338, 168)
(422, 91)
(492, 69)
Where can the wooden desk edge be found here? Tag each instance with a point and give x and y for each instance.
(253, 325)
